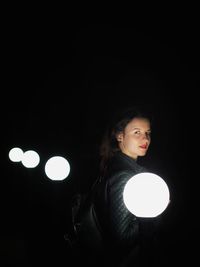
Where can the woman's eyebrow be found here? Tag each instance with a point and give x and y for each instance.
(137, 128)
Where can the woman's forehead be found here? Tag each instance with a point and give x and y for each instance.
(141, 123)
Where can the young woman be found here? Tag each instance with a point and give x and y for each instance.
(126, 238)
(121, 238)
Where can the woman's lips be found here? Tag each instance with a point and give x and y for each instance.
(143, 146)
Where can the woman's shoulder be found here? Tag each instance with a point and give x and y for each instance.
(122, 162)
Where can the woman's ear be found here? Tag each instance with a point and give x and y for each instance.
(119, 137)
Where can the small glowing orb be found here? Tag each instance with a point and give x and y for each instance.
(16, 154)
(57, 168)
(30, 159)
(146, 195)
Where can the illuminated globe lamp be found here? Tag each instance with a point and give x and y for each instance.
(57, 168)
(146, 195)
(30, 159)
(16, 154)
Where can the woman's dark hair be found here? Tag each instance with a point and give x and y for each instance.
(109, 145)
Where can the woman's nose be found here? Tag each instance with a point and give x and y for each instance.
(146, 136)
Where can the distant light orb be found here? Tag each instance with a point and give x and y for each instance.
(15, 154)
(146, 195)
(57, 168)
(30, 159)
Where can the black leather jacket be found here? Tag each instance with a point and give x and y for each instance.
(121, 227)
(124, 235)
(122, 231)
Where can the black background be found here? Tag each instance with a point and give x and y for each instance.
(62, 79)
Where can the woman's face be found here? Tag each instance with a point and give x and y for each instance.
(135, 139)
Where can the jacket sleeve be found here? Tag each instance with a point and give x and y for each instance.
(124, 226)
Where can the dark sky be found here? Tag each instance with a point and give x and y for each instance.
(62, 83)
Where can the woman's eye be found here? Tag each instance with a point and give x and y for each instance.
(137, 132)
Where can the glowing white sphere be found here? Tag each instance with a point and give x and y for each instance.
(16, 154)
(30, 159)
(57, 168)
(146, 195)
